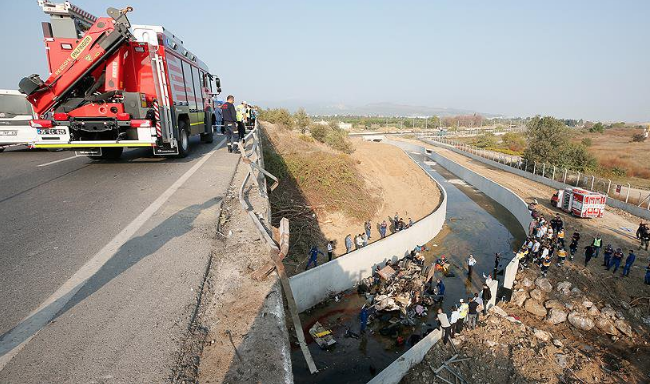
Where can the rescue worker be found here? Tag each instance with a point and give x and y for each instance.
(313, 256)
(368, 228)
(462, 314)
(241, 121)
(229, 120)
(441, 288)
(561, 256)
(382, 229)
(557, 223)
(453, 320)
(363, 319)
(616, 259)
(573, 247)
(486, 295)
(643, 234)
(590, 251)
(607, 256)
(560, 237)
(597, 243)
(628, 263)
(330, 250)
(546, 263)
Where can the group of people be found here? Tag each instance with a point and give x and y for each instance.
(466, 313)
(235, 120)
(546, 241)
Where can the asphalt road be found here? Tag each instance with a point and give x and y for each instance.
(100, 262)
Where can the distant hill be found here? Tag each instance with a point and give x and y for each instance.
(372, 109)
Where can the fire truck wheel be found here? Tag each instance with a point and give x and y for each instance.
(2, 149)
(207, 137)
(183, 140)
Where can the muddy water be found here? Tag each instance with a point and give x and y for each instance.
(475, 225)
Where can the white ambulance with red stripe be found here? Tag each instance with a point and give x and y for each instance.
(114, 86)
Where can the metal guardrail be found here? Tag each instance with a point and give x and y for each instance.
(623, 192)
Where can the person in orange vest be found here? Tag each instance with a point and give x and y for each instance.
(546, 263)
(561, 256)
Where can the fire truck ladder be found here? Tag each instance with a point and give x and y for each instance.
(82, 19)
(164, 121)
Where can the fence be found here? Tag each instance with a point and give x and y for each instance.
(627, 193)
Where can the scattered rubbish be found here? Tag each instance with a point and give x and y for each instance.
(323, 337)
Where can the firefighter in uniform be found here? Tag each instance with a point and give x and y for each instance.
(229, 120)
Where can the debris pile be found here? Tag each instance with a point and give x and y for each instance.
(399, 292)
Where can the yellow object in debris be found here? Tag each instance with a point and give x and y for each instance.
(324, 333)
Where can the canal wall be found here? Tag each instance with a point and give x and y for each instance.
(317, 284)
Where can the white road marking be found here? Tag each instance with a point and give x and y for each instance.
(58, 161)
(18, 337)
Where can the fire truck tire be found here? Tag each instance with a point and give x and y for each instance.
(207, 137)
(2, 150)
(183, 139)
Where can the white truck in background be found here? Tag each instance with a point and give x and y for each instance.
(15, 114)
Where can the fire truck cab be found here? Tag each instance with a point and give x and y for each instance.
(114, 86)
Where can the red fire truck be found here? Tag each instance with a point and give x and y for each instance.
(114, 86)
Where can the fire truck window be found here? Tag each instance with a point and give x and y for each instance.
(198, 90)
(189, 85)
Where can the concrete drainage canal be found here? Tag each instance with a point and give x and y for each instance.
(475, 224)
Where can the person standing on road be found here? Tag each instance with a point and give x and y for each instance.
(445, 326)
(348, 243)
(628, 263)
(313, 256)
(368, 228)
(589, 253)
(364, 239)
(330, 250)
(486, 295)
(229, 120)
(396, 222)
(471, 262)
(359, 241)
(597, 243)
(241, 121)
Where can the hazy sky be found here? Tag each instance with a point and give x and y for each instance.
(580, 59)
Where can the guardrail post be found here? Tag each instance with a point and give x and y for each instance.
(609, 186)
(565, 172)
(578, 179)
(593, 178)
(628, 192)
(543, 169)
(526, 166)
(553, 175)
(535, 168)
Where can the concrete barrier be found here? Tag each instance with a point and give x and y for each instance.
(398, 368)
(315, 285)
(631, 208)
(502, 195)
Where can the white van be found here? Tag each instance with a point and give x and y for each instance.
(15, 114)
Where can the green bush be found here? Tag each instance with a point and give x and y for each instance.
(486, 140)
(302, 120)
(587, 142)
(638, 138)
(319, 132)
(338, 139)
(279, 116)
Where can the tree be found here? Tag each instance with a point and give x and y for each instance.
(548, 142)
(302, 120)
(319, 132)
(487, 140)
(514, 141)
(598, 127)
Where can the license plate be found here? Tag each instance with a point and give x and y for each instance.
(8, 133)
(89, 152)
(53, 131)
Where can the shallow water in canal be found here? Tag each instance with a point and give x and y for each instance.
(475, 224)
